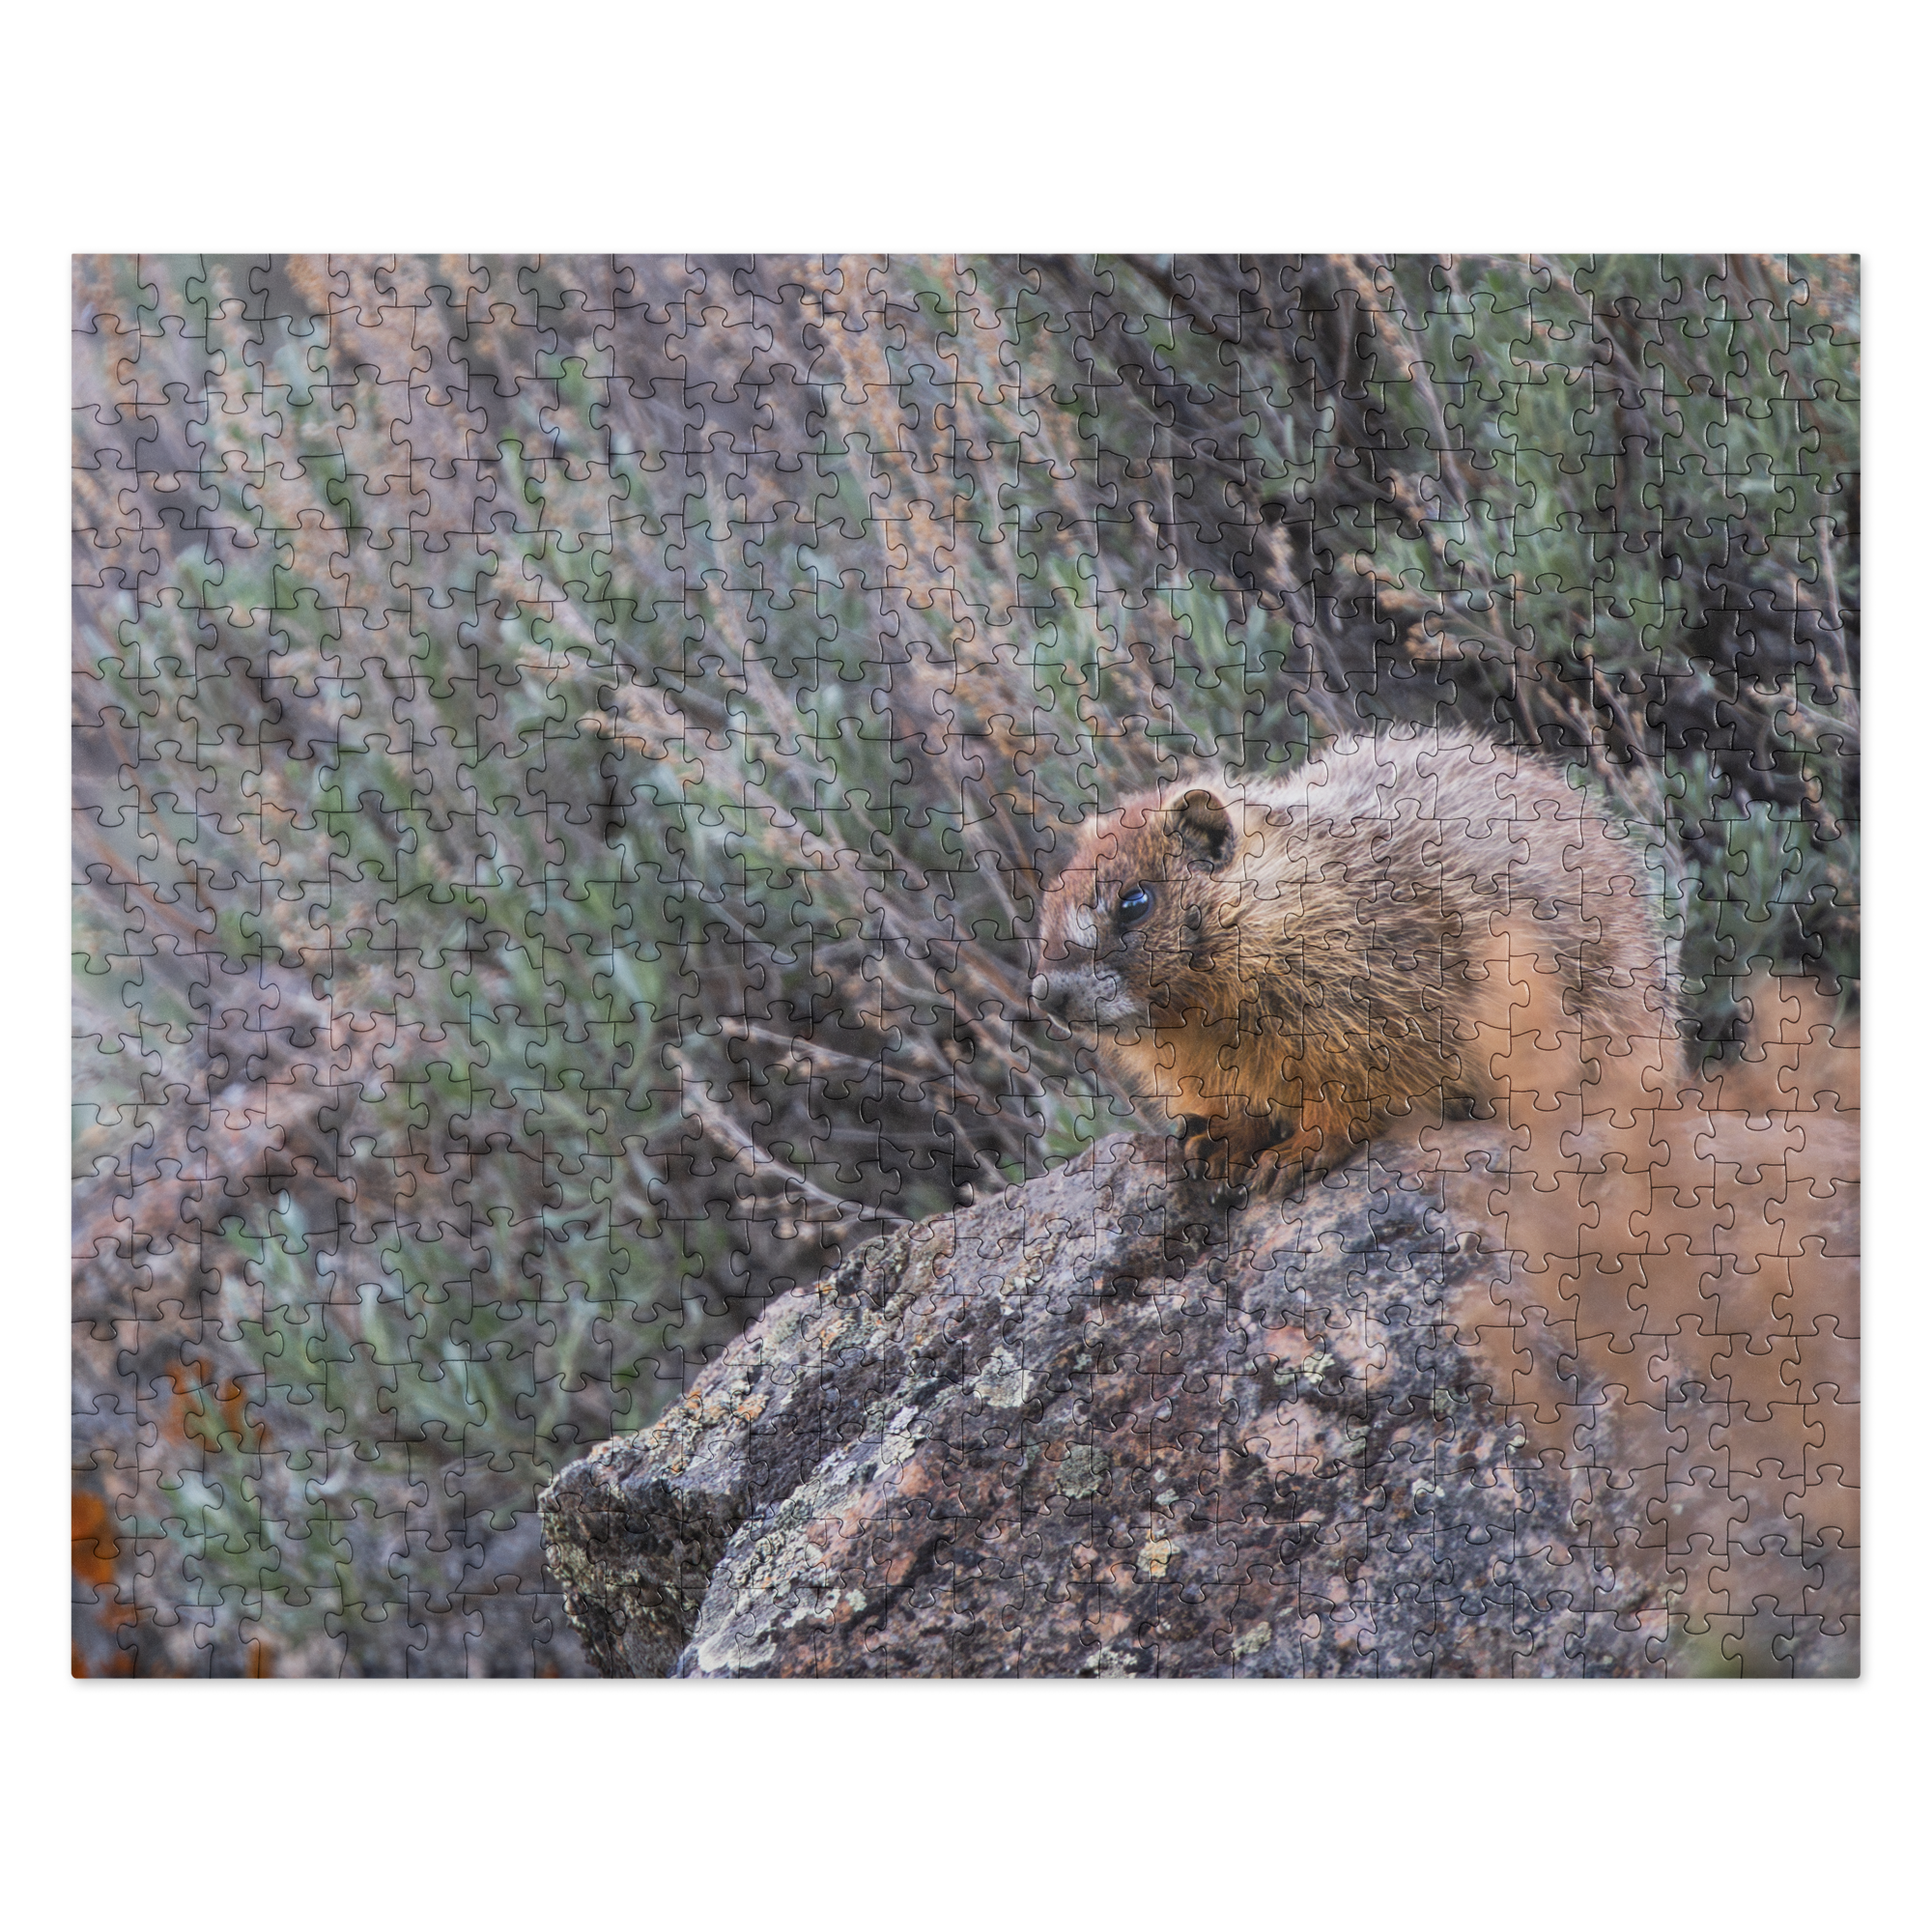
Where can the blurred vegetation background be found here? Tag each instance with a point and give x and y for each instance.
(565, 749)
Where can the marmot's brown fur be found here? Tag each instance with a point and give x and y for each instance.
(1288, 965)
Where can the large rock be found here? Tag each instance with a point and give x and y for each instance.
(1113, 1423)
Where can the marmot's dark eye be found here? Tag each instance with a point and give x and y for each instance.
(1135, 904)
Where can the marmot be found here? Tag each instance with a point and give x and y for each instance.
(1288, 965)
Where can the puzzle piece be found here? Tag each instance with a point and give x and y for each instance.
(572, 761)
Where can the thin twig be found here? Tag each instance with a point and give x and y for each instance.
(745, 1152)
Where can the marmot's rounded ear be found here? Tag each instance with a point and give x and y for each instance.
(1202, 830)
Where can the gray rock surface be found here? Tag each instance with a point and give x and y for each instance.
(1111, 1423)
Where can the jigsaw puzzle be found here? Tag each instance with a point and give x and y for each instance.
(1030, 965)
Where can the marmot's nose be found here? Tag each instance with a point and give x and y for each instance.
(1051, 994)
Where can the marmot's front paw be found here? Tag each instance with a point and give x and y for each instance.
(1241, 1167)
